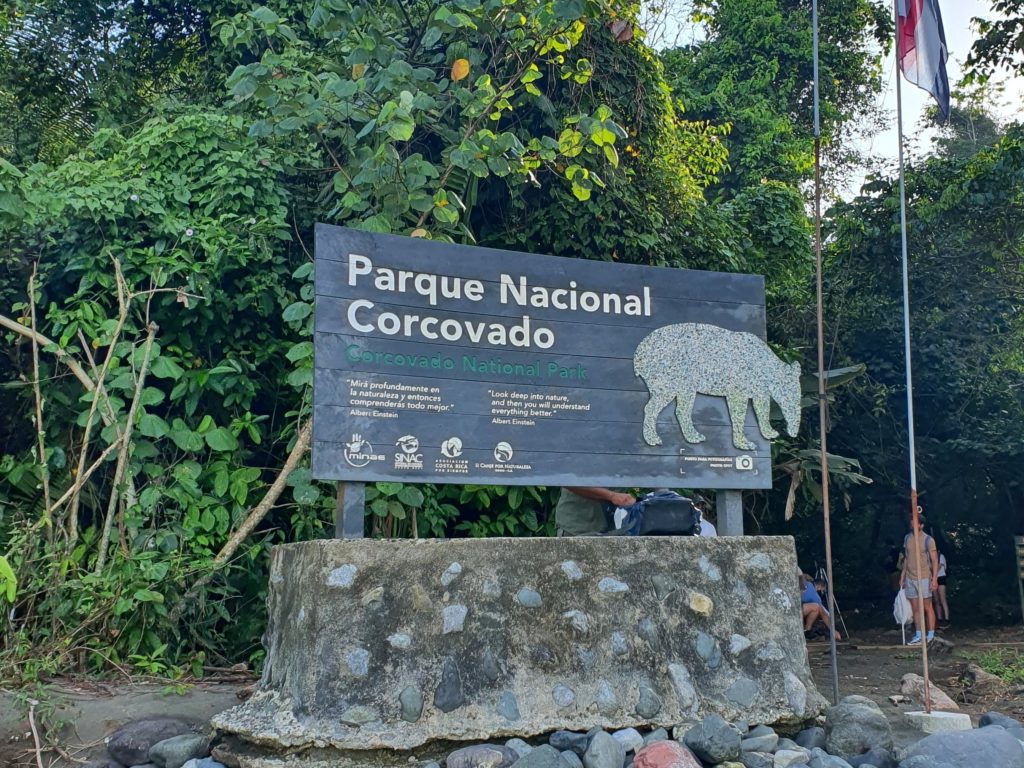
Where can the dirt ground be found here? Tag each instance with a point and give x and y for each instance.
(74, 716)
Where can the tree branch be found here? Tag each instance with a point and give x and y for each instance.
(253, 518)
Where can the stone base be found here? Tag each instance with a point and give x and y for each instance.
(936, 722)
(395, 644)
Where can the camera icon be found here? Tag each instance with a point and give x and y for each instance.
(745, 462)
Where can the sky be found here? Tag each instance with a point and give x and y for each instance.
(960, 35)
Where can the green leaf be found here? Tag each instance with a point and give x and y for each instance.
(8, 581)
(148, 596)
(567, 10)
(165, 368)
(300, 351)
(186, 440)
(411, 496)
(220, 439)
(306, 494)
(389, 489)
(296, 311)
(152, 426)
(220, 482)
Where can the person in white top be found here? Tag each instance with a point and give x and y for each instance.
(706, 528)
(941, 606)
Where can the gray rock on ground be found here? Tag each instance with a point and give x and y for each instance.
(544, 756)
(130, 744)
(629, 738)
(763, 742)
(178, 750)
(713, 740)
(571, 760)
(822, 759)
(784, 758)
(924, 762)
(788, 744)
(107, 762)
(563, 740)
(855, 725)
(811, 738)
(998, 718)
(604, 752)
(757, 760)
(879, 758)
(519, 746)
(970, 749)
(203, 762)
(658, 734)
(482, 756)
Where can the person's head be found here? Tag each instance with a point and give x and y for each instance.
(921, 520)
(819, 585)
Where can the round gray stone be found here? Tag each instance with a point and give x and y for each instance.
(203, 762)
(519, 746)
(571, 760)
(784, 758)
(482, 756)
(563, 695)
(567, 740)
(713, 740)
(877, 757)
(822, 759)
(130, 744)
(658, 734)
(178, 750)
(809, 738)
(763, 743)
(629, 738)
(607, 701)
(757, 760)
(529, 598)
(707, 648)
(604, 752)
(411, 703)
(998, 718)
(609, 585)
(508, 707)
(971, 749)
(855, 725)
(924, 762)
(649, 704)
(743, 692)
(544, 756)
(449, 696)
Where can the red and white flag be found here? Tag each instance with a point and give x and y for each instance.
(921, 48)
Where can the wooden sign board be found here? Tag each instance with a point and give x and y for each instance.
(448, 363)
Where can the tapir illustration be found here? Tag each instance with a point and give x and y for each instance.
(678, 362)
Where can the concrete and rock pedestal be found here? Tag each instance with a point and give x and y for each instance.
(392, 645)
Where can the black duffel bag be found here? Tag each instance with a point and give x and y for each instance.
(662, 513)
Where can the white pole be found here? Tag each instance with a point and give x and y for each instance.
(912, 457)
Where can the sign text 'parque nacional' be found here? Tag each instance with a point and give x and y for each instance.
(450, 363)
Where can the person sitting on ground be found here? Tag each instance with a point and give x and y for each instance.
(812, 607)
(581, 511)
(920, 578)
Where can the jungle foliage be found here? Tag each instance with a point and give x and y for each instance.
(158, 187)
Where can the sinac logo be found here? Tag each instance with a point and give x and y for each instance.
(503, 452)
(451, 448)
(408, 458)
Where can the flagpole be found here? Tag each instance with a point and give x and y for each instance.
(915, 521)
(822, 403)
